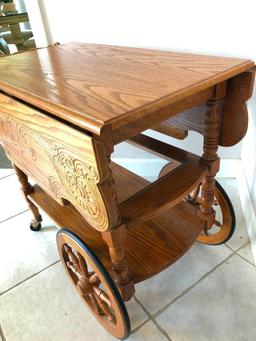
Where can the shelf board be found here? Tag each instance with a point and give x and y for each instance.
(179, 125)
(151, 246)
(162, 194)
(165, 192)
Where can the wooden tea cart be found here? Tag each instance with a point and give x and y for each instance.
(62, 111)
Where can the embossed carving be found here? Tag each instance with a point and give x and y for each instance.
(55, 186)
(80, 181)
(76, 180)
(17, 133)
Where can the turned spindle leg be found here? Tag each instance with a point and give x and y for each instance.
(27, 189)
(210, 157)
(115, 240)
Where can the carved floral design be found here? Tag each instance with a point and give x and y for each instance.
(77, 181)
(80, 179)
(55, 186)
(17, 132)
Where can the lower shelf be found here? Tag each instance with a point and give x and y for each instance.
(151, 246)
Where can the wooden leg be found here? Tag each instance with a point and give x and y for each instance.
(27, 189)
(210, 157)
(115, 240)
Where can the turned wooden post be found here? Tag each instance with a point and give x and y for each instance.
(211, 142)
(115, 236)
(115, 240)
(27, 189)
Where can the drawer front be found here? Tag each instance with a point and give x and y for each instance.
(59, 158)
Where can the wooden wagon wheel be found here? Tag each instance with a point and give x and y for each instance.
(224, 225)
(93, 283)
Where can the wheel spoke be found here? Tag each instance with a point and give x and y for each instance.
(96, 305)
(80, 289)
(206, 231)
(215, 202)
(95, 287)
(83, 265)
(217, 223)
(104, 307)
(102, 295)
(75, 271)
(94, 279)
(194, 195)
(71, 256)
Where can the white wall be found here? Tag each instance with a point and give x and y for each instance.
(249, 151)
(217, 27)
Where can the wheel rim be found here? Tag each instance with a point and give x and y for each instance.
(93, 283)
(225, 231)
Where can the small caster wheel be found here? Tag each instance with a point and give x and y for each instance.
(35, 224)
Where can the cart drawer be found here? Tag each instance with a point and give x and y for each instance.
(61, 159)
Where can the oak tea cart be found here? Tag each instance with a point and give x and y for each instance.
(62, 111)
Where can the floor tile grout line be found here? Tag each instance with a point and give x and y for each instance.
(142, 306)
(163, 332)
(239, 249)
(245, 259)
(151, 318)
(144, 309)
(235, 250)
(14, 216)
(201, 279)
(28, 278)
(6, 176)
(140, 326)
(2, 334)
(230, 248)
(183, 293)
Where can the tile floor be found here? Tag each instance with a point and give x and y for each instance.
(209, 294)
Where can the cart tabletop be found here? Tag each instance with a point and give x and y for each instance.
(92, 86)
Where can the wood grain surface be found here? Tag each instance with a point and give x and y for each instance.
(150, 246)
(95, 85)
(234, 114)
(62, 109)
(68, 164)
(164, 193)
